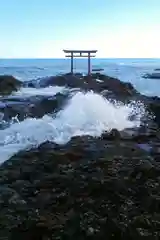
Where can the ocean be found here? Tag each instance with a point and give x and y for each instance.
(128, 70)
(84, 113)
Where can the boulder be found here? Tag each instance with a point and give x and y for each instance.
(8, 84)
(46, 105)
(33, 107)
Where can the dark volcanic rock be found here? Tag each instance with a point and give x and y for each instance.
(47, 105)
(87, 189)
(115, 85)
(111, 88)
(90, 83)
(97, 69)
(33, 107)
(68, 80)
(8, 84)
(152, 75)
(154, 107)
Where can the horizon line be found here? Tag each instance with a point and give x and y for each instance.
(51, 58)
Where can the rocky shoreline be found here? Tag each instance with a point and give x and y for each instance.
(90, 188)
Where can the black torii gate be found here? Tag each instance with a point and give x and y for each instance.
(80, 53)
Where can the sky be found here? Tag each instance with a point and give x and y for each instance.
(43, 28)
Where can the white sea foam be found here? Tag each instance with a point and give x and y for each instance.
(47, 91)
(98, 80)
(84, 114)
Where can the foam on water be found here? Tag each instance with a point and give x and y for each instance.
(84, 114)
(47, 91)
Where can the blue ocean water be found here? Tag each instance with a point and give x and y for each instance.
(128, 70)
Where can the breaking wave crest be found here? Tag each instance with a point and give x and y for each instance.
(47, 91)
(84, 114)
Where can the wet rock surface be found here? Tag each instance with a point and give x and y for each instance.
(37, 106)
(154, 75)
(90, 83)
(8, 84)
(32, 107)
(154, 107)
(89, 188)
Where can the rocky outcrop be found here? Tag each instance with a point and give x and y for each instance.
(33, 107)
(152, 75)
(8, 84)
(90, 83)
(87, 189)
(37, 106)
(97, 69)
(115, 85)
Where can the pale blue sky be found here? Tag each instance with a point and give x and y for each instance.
(42, 28)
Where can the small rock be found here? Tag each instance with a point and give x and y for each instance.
(146, 166)
(15, 199)
(90, 231)
(113, 135)
(145, 169)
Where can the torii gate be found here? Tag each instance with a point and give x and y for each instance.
(80, 53)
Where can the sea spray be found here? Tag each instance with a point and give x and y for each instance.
(84, 114)
(47, 91)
